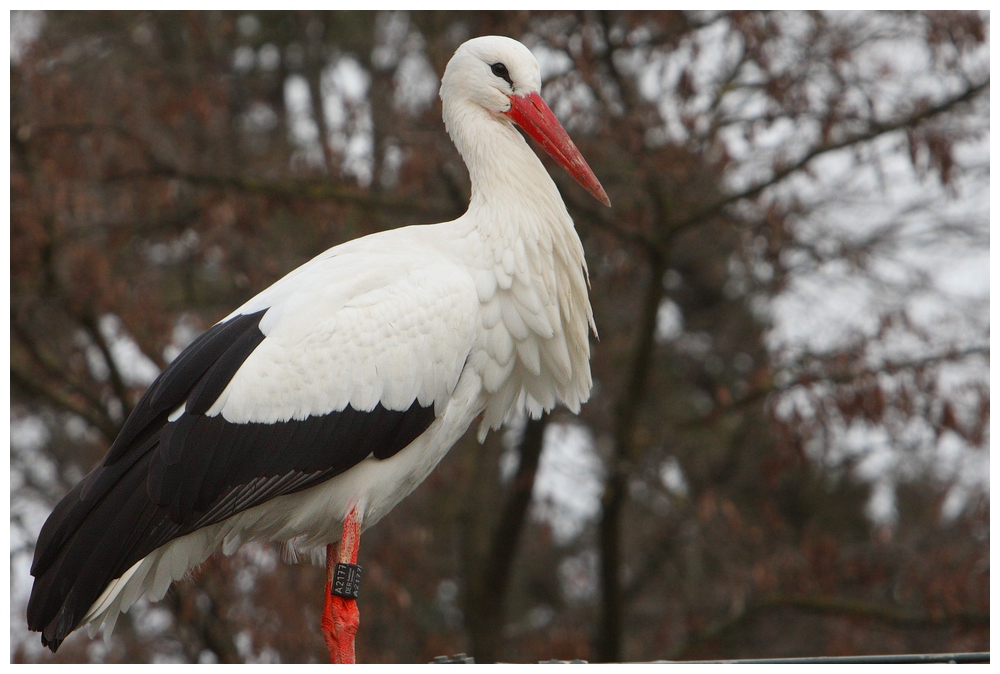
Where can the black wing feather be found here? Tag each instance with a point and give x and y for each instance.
(163, 479)
(174, 384)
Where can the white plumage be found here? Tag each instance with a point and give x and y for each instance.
(485, 315)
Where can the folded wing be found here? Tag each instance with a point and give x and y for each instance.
(343, 360)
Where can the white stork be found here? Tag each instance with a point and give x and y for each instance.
(308, 413)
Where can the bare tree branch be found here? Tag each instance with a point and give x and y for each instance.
(55, 396)
(52, 367)
(326, 190)
(874, 131)
(117, 383)
(843, 376)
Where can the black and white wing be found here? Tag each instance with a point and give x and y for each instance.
(346, 357)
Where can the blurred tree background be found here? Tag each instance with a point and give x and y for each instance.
(786, 449)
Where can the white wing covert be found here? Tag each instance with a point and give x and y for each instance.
(356, 330)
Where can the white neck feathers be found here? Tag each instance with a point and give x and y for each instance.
(535, 278)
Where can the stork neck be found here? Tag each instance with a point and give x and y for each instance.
(505, 172)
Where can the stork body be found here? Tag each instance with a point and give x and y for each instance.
(331, 395)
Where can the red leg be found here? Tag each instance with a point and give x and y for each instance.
(340, 615)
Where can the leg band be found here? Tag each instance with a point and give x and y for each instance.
(346, 580)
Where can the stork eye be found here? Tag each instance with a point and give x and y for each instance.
(500, 70)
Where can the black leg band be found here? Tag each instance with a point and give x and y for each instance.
(346, 580)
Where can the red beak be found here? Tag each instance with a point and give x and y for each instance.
(531, 114)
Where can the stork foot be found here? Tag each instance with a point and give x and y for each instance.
(340, 625)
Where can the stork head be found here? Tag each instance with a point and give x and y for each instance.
(500, 76)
